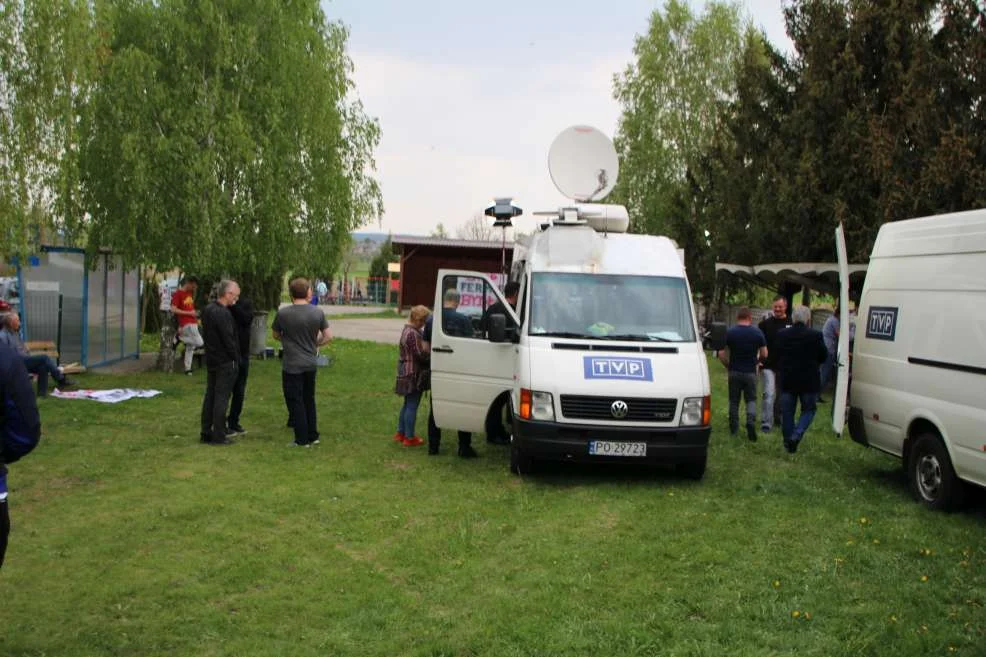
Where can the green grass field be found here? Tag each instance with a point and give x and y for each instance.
(131, 538)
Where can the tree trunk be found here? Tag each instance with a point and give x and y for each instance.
(166, 352)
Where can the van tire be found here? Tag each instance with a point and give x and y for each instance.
(930, 474)
(499, 419)
(520, 463)
(692, 469)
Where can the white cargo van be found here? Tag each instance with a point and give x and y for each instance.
(602, 360)
(918, 384)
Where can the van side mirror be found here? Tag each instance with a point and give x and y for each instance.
(716, 339)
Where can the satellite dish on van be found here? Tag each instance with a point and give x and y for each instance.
(583, 164)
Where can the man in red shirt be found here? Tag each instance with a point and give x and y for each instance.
(183, 307)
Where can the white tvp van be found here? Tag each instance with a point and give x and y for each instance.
(918, 387)
(601, 360)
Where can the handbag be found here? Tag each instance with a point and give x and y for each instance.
(422, 379)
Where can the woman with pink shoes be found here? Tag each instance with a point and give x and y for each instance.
(412, 362)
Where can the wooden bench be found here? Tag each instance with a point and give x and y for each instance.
(43, 347)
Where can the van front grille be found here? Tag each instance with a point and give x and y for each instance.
(639, 409)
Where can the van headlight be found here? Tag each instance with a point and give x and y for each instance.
(696, 411)
(536, 405)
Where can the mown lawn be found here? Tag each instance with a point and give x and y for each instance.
(131, 538)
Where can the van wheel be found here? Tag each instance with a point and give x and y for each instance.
(520, 463)
(692, 469)
(932, 478)
(499, 420)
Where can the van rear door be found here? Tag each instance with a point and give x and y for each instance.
(841, 399)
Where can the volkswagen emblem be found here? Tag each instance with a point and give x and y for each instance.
(619, 409)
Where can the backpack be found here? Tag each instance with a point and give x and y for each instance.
(16, 440)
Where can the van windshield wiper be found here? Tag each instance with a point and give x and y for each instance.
(563, 334)
(639, 337)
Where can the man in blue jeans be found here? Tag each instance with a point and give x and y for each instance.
(301, 328)
(746, 349)
(801, 350)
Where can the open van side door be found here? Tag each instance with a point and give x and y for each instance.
(468, 371)
(841, 399)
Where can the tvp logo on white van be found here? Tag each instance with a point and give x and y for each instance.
(633, 369)
(882, 323)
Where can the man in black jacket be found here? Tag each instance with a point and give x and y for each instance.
(222, 356)
(18, 413)
(242, 312)
(801, 350)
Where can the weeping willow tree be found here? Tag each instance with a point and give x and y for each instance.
(224, 138)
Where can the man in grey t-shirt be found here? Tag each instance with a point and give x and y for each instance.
(302, 329)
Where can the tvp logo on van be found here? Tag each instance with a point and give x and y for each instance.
(633, 369)
(881, 324)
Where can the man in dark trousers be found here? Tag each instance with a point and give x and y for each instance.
(18, 413)
(771, 372)
(746, 348)
(222, 357)
(453, 323)
(242, 312)
(802, 350)
(302, 329)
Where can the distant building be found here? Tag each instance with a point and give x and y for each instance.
(422, 257)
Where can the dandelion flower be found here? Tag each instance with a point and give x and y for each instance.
(893, 618)
(924, 578)
(876, 541)
(795, 614)
(777, 583)
(864, 520)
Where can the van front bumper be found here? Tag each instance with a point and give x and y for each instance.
(552, 441)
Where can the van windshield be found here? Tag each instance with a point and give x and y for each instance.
(610, 307)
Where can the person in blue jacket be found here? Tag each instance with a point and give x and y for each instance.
(20, 420)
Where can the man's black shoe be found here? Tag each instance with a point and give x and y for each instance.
(224, 441)
(820, 400)
(235, 430)
(467, 452)
(751, 433)
(204, 438)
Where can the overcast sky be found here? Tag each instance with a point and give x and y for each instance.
(470, 94)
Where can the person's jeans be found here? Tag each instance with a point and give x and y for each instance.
(218, 388)
(768, 402)
(788, 402)
(44, 367)
(745, 384)
(239, 393)
(408, 416)
(299, 395)
(826, 370)
(189, 334)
